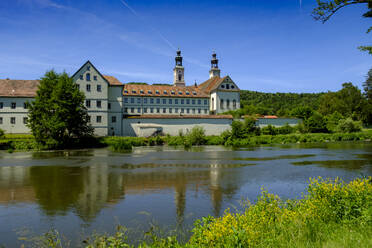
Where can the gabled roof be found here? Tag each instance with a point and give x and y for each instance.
(163, 90)
(18, 88)
(109, 79)
(213, 83)
(112, 80)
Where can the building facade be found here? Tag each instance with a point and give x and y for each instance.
(111, 103)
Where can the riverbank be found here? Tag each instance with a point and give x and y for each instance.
(332, 214)
(16, 142)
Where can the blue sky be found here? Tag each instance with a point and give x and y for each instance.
(269, 46)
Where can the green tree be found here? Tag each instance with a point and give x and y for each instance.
(367, 85)
(2, 133)
(316, 123)
(326, 9)
(302, 112)
(349, 126)
(58, 116)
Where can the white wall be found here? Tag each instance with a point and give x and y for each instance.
(19, 113)
(146, 127)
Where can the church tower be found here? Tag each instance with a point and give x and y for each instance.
(214, 67)
(179, 71)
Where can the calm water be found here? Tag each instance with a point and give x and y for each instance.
(78, 192)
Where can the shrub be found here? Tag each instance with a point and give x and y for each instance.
(316, 124)
(196, 136)
(2, 134)
(121, 145)
(269, 130)
(349, 126)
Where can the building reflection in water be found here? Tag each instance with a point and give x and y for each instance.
(86, 190)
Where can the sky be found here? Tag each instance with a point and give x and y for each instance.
(263, 45)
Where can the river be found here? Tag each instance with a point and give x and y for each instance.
(82, 191)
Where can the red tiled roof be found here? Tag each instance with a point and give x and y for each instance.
(270, 117)
(181, 117)
(211, 84)
(112, 80)
(163, 90)
(18, 88)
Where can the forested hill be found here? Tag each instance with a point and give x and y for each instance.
(277, 103)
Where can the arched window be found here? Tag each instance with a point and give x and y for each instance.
(221, 104)
(227, 103)
(212, 103)
(179, 77)
(234, 104)
(88, 76)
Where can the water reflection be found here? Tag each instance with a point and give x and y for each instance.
(86, 190)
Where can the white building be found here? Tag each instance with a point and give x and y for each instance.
(112, 105)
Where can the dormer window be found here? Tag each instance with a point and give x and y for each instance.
(194, 93)
(165, 92)
(157, 92)
(133, 91)
(172, 92)
(187, 93)
(179, 92)
(149, 91)
(126, 91)
(141, 91)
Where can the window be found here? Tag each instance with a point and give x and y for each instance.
(227, 103)
(170, 101)
(194, 93)
(193, 101)
(125, 100)
(88, 118)
(24, 120)
(205, 102)
(227, 86)
(234, 104)
(132, 100)
(99, 88)
(179, 77)
(158, 101)
(88, 67)
(187, 101)
(88, 87)
(157, 110)
(164, 101)
(138, 100)
(151, 100)
(1, 120)
(157, 92)
(176, 110)
(212, 102)
(164, 110)
(232, 86)
(99, 119)
(187, 93)
(199, 101)
(99, 105)
(1, 105)
(134, 91)
(87, 103)
(126, 91)
(182, 101)
(145, 100)
(141, 91)
(205, 111)
(151, 110)
(109, 105)
(199, 111)
(165, 92)
(170, 110)
(179, 92)
(113, 119)
(188, 111)
(175, 101)
(144, 110)
(78, 86)
(125, 110)
(132, 110)
(25, 105)
(172, 92)
(221, 104)
(13, 105)
(149, 91)
(81, 77)
(139, 110)
(182, 110)
(95, 78)
(87, 76)
(12, 120)
(222, 86)
(193, 111)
